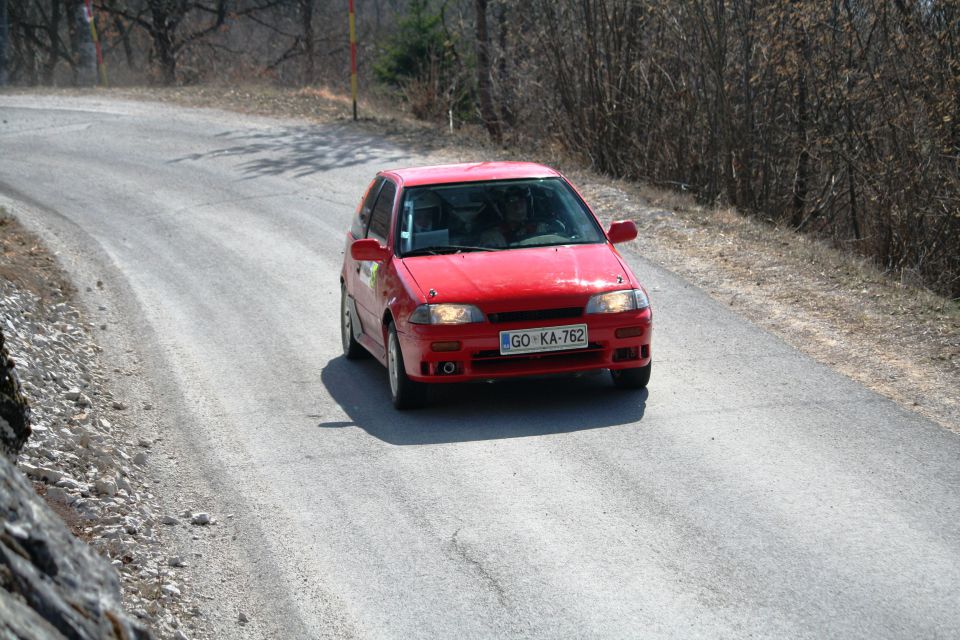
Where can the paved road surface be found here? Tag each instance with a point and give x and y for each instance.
(751, 493)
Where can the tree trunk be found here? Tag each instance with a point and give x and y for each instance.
(81, 44)
(4, 39)
(53, 37)
(124, 31)
(163, 47)
(801, 178)
(166, 58)
(487, 113)
(309, 46)
(503, 76)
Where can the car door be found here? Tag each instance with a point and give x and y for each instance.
(358, 230)
(369, 302)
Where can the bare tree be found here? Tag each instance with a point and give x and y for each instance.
(485, 91)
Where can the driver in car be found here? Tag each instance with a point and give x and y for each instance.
(516, 225)
(423, 219)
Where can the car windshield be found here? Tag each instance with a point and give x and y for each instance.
(484, 216)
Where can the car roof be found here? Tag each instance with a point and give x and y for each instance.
(469, 172)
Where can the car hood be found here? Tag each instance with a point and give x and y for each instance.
(498, 279)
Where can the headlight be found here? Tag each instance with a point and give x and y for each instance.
(446, 314)
(618, 301)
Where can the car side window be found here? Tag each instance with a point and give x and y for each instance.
(380, 220)
(362, 219)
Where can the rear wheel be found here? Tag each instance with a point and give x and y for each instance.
(351, 348)
(636, 378)
(405, 393)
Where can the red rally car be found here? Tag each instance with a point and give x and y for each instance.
(490, 270)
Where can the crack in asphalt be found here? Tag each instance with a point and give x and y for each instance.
(487, 577)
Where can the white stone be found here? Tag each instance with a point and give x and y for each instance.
(170, 590)
(69, 483)
(58, 495)
(124, 485)
(50, 475)
(30, 470)
(106, 487)
(42, 473)
(200, 519)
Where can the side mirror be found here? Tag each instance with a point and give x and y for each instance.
(368, 249)
(622, 231)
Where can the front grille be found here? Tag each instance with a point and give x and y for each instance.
(536, 314)
(492, 363)
(493, 354)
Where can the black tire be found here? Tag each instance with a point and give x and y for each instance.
(405, 393)
(352, 349)
(636, 378)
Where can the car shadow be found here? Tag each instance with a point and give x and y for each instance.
(478, 411)
(300, 151)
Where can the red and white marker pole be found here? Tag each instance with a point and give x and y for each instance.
(353, 59)
(101, 68)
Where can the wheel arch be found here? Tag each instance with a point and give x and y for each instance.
(385, 322)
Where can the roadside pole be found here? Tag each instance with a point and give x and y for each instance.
(4, 37)
(353, 60)
(101, 67)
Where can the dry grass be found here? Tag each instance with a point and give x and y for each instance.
(895, 338)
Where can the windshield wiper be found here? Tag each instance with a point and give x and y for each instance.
(447, 248)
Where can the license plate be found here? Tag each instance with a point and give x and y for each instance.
(571, 336)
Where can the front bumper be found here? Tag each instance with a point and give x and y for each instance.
(478, 355)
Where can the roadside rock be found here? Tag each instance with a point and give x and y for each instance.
(14, 410)
(17, 620)
(47, 573)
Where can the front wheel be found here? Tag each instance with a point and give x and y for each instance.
(636, 378)
(405, 393)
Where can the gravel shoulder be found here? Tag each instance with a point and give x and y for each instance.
(93, 455)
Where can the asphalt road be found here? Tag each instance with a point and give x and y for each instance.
(751, 492)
